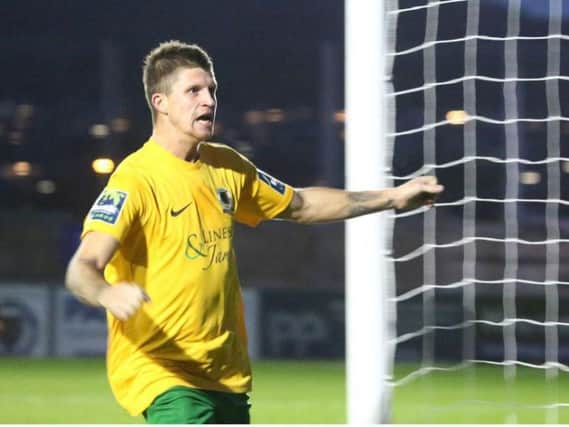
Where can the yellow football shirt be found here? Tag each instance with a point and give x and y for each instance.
(174, 221)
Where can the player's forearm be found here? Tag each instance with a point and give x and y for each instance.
(85, 280)
(320, 204)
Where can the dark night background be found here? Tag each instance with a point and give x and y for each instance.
(70, 65)
(71, 92)
(79, 63)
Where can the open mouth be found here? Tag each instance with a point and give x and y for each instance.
(207, 118)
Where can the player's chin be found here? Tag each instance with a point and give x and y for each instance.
(203, 130)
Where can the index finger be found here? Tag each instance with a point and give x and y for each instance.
(435, 188)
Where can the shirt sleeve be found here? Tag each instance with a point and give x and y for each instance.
(263, 197)
(116, 208)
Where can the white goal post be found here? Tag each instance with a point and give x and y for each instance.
(368, 281)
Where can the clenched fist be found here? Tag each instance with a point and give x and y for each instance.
(123, 299)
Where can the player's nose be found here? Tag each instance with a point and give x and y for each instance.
(208, 100)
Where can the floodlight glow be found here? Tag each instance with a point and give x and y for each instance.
(120, 124)
(530, 178)
(254, 117)
(275, 115)
(99, 131)
(46, 186)
(340, 116)
(457, 117)
(103, 166)
(21, 168)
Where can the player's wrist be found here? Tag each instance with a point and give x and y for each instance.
(391, 198)
(101, 296)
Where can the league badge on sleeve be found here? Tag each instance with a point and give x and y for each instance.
(274, 183)
(226, 200)
(108, 206)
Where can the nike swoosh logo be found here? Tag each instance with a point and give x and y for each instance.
(178, 212)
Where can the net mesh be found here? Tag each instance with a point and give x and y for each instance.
(475, 96)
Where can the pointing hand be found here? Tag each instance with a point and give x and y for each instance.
(420, 191)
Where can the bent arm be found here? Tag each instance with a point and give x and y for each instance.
(84, 277)
(86, 281)
(320, 204)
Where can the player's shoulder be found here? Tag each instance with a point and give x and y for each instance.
(221, 155)
(138, 158)
(133, 167)
(216, 149)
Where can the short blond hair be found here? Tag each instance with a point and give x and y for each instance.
(161, 64)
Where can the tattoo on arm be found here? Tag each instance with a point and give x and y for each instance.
(295, 206)
(359, 203)
(297, 202)
(360, 197)
(359, 210)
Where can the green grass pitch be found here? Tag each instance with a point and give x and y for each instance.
(76, 391)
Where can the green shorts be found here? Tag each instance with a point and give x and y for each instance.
(185, 405)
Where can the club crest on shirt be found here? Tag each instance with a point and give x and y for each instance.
(108, 206)
(225, 199)
(272, 182)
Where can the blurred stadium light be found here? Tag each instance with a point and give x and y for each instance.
(103, 166)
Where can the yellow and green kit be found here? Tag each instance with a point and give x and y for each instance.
(174, 221)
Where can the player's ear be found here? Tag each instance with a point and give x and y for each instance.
(160, 102)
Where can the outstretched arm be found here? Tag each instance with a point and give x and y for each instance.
(85, 278)
(320, 204)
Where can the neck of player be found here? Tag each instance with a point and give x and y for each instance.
(177, 143)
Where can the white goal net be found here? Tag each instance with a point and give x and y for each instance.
(479, 96)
